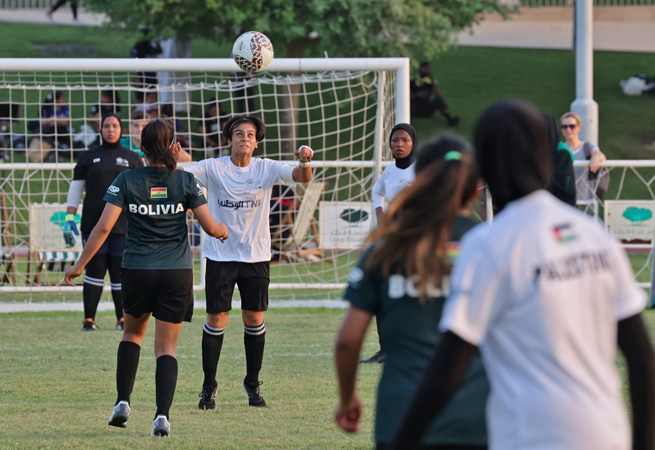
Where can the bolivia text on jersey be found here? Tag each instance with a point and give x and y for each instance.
(155, 210)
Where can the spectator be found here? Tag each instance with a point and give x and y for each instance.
(145, 48)
(562, 182)
(59, 4)
(211, 128)
(110, 102)
(52, 130)
(138, 120)
(571, 126)
(149, 104)
(425, 96)
(88, 135)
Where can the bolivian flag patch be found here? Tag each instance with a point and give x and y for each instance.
(159, 192)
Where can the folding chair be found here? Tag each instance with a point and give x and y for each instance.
(295, 246)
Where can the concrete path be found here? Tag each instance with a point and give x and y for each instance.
(523, 31)
(198, 304)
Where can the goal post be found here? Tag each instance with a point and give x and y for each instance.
(343, 108)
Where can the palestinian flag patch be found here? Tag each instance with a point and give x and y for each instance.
(564, 233)
(159, 192)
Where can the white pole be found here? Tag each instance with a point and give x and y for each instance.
(584, 104)
(402, 93)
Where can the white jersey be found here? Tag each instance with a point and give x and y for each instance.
(240, 197)
(391, 182)
(540, 291)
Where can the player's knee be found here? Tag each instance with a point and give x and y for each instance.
(252, 318)
(217, 320)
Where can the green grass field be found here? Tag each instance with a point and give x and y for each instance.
(57, 386)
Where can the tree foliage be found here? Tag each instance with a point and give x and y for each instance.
(346, 28)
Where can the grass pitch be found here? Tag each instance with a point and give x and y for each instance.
(57, 386)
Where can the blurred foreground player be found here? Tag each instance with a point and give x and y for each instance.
(545, 292)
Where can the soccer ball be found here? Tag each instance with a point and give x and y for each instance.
(252, 51)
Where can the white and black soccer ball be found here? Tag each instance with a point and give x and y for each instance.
(252, 51)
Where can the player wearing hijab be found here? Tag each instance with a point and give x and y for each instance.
(394, 179)
(95, 170)
(545, 292)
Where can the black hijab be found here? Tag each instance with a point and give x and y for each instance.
(404, 163)
(116, 144)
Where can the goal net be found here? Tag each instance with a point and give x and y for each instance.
(343, 108)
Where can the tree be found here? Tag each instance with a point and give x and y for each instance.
(345, 28)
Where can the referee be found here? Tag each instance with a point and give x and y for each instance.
(157, 271)
(239, 190)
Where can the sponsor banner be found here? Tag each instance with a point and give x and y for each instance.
(344, 225)
(46, 228)
(631, 221)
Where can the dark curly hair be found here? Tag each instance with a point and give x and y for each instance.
(229, 127)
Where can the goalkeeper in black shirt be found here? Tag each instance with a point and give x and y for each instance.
(94, 172)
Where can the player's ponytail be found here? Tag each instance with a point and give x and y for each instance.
(156, 140)
(414, 234)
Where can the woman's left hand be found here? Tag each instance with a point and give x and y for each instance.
(304, 153)
(176, 149)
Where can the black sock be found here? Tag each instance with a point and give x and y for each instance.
(165, 382)
(91, 293)
(254, 339)
(212, 343)
(127, 362)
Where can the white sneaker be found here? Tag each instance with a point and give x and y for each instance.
(161, 426)
(120, 414)
(48, 15)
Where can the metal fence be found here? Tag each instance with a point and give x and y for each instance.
(26, 4)
(565, 3)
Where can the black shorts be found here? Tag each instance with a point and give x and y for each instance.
(114, 245)
(252, 279)
(167, 294)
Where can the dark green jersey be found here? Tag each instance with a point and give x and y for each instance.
(410, 332)
(156, 202)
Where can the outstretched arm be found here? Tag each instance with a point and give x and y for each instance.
(636, 347)
(441, 378)
(110, 215)
(346, 355)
